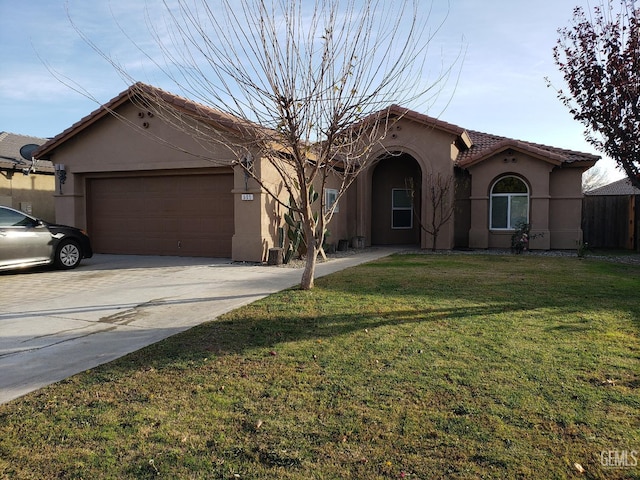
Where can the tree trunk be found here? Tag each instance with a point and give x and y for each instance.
(312, 254)
(309, 267)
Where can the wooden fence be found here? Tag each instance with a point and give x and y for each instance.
(611, 221)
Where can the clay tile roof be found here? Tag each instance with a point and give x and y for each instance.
(619, 187)
(143, 93)
(474, 146)
(201, 112)
(425, 119)
(486, 145)
(396, 112)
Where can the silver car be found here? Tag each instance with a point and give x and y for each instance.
(26, 241)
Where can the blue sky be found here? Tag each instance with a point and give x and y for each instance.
(501, 90)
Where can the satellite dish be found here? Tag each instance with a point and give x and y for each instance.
(26, 151)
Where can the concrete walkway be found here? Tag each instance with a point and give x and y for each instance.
(54, 324)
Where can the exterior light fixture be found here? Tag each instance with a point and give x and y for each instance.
(61, 173)
(247, 166)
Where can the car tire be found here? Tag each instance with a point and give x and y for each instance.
(68, 255)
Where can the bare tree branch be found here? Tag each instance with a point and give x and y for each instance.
(439, 199)
(303, 87)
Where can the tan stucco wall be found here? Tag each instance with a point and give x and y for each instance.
(117, 146)
(434, 151)
(535, 172)
(34, 190)
(339, 228)
(120, 147)
(555, 201)
(260, 230)
(565, 207)
(124, 146)
(257, 214)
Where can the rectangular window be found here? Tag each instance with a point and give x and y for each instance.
(519, 210)
(401, 209)
(331, 197)
(499, 212)
(509, 211)
(509, 204)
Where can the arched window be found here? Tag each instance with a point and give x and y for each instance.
(509, 204)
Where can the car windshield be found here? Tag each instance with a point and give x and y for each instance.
(9, 218)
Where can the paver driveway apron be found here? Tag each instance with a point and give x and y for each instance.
(54, 324)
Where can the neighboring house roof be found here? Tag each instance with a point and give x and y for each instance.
(486, 145)
(16, 153)
(619, 187)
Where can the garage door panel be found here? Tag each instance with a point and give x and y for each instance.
(188, 215)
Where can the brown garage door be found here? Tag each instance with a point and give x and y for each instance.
(186, 215)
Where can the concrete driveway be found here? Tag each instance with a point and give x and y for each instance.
(54, 324)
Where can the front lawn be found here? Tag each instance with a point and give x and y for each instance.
(415, 366)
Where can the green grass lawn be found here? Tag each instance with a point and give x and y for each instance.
(415, 366)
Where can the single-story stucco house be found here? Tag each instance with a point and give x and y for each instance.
(25, 184)
(139, 185)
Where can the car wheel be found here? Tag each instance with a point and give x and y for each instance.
(68, 254)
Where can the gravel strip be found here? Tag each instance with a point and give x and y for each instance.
(630, 259)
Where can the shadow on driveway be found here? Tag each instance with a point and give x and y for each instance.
(54, 324)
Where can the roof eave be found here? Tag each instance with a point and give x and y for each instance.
(581, 163)
(549, 157)
(47, 148)
(462, 138)
(147, 93)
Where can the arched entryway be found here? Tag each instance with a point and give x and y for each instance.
(395, 201)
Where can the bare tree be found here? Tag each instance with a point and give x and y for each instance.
(439, 199)
(599, 57)
(306, 85)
